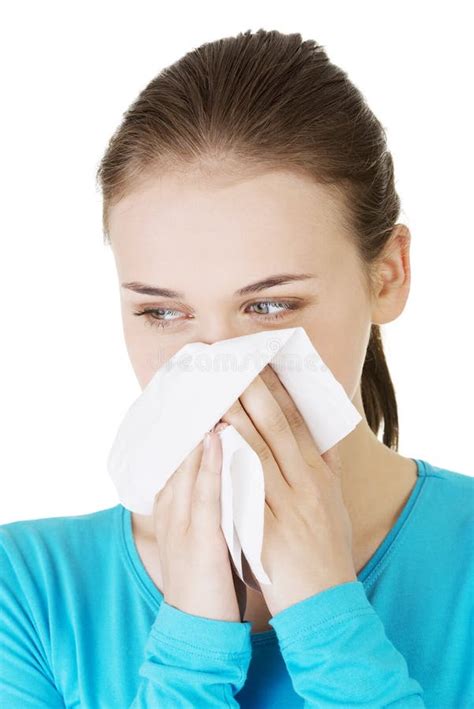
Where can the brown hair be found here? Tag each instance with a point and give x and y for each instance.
(259, 101)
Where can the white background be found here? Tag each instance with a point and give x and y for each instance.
(69, 71)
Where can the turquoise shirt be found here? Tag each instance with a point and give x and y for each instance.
(83, 625)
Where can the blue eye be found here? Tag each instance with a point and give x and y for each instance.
(283, 306)
(154, 316)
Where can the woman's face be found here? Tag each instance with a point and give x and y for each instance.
(206, 239)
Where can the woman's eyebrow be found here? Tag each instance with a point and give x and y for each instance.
(269, 282)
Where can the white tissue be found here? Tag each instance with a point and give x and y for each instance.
(190, 393)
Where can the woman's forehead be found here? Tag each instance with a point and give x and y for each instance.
(268, 202)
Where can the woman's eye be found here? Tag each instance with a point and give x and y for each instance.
(156, 316)
(267, 303)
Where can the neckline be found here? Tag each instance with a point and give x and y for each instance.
(366, 575)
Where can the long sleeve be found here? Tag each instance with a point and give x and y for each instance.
(338, 655)
(25, 676)
(192, 661)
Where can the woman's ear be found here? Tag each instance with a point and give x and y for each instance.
(391, 280)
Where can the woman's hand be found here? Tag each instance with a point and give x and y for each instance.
(307, 544)
(195, 562)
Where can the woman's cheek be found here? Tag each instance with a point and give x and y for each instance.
(342, 351)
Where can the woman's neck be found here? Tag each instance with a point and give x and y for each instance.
(376, 481)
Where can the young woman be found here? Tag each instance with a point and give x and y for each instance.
(250, 187)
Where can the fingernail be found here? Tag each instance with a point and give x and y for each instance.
(211, 453)
(221, 426)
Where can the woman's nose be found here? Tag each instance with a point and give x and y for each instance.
(218, 331)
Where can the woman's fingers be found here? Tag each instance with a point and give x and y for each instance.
(205, 510)
(182, 483)
(195, 485)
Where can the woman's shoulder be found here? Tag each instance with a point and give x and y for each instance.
(453, 486)
(451, 479)
(28, 541)
(448, 499)
(40, 526)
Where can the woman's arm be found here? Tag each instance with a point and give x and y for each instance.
(191, 661)
(198, 651)
(25, 677)
(338, 654)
